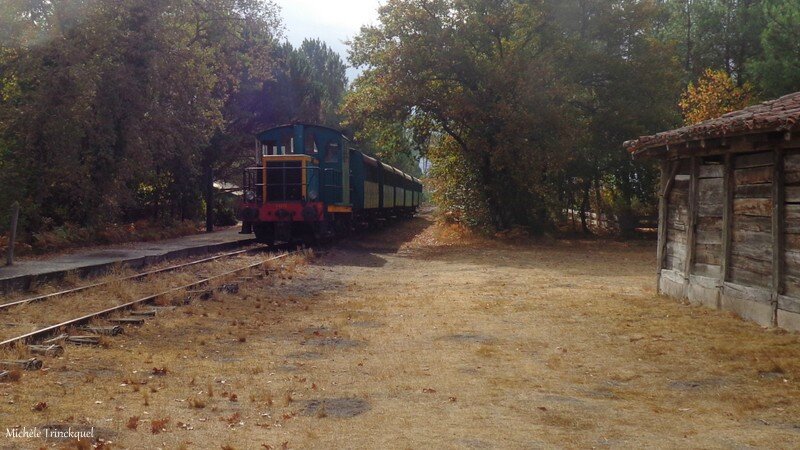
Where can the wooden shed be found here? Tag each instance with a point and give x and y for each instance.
(729, 211)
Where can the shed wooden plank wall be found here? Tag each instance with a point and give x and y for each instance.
(735, 268)
(792, 223)
(789, 303)
(708, 244)
(677, 219)
(751, 239)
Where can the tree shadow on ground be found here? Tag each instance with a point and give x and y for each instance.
(368, 249)
(364, 248)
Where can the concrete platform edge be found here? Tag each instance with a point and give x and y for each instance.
(26, 282)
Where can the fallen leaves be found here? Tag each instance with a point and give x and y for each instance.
(159, 425)
(13, 375)
(197, 403)
(133, 423)
(233, 419)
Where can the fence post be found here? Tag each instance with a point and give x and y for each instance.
(13, 238)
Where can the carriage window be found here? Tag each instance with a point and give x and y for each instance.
(332, 152)
(311, 144)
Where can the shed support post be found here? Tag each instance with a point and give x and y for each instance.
(728, 189)
(778, 237)
(691, 224)
(668, 172)
(662, 223)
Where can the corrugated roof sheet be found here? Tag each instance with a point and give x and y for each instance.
(781, 115)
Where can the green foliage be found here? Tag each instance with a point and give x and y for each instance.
(225, 210)
(115, 110)
(108, 107)
(328, 76)
(308, 85)
(778, 69)
(536, 96)
(480, 73)
(715, 34)
(627, 84)
(456, 188)
(393, 142)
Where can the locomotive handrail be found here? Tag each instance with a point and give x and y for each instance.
(336, 185)
(289, 190)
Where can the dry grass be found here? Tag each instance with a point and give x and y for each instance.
(28, 317)
(422, 341)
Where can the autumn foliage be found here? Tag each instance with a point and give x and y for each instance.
(714, 94)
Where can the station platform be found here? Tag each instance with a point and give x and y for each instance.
(26, 273)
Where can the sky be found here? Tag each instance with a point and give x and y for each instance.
(332, 21)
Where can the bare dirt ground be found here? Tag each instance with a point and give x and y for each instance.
(417, 337)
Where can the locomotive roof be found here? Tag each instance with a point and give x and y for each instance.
(372, 158)
(291, 125)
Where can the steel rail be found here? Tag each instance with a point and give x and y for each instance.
(137, 276)
(141, 301)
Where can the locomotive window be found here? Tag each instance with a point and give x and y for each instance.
(269, 148)
(311, 144)
(287, 144)
(332, 152)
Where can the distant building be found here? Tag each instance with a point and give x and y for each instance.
(729, 211)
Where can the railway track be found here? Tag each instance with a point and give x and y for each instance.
(41, 341)
(135, 277)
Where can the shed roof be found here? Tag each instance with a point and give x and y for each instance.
(779, 115)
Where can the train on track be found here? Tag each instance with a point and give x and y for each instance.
(311, 183)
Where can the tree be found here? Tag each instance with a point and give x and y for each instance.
(716, 34)
(329, 77)
(714, 95)
(111, 105)
(479, 72)
(238, 34)
(627, 84)
(308, 85)
(778, 68)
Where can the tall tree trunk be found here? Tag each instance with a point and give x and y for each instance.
(689, 43)
(492, 202)
(571, 207)
(598, 197)
(208, 193)
(585, 206)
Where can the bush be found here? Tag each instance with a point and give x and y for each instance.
(456, 188)
(72, 235)
(225, 217)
